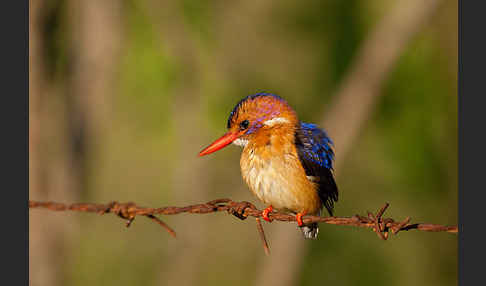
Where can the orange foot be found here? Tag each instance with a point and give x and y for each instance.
(298, 217)
(265, 213)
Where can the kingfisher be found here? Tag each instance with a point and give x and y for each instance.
(286, 163)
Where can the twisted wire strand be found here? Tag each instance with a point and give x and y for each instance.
(128, 211)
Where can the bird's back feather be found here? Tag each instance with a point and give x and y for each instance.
(316, 155)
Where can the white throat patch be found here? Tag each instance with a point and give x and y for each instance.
(276, 120)
(240, 142)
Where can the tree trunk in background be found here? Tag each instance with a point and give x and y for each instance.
(42, 264)
(186, 253)
(49, 177)
(57, 161)
(95, 46)
(354, 103)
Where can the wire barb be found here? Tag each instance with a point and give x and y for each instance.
(242, 210)
(259, 225)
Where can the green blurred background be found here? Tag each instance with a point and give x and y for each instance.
(124, 94)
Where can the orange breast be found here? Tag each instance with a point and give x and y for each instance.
(274, 174)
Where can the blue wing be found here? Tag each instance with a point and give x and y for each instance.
(315, 152)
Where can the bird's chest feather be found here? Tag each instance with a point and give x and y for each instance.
(276, 177)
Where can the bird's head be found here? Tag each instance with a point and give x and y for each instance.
(253, 119)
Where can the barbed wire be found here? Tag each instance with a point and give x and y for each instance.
(381, 226)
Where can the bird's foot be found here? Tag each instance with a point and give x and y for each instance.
(265, 213)
(298, 218)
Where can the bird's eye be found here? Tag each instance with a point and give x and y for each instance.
(244, 124)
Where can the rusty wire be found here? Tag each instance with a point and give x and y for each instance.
(381, 226)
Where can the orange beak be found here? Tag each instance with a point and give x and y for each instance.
(220, 143)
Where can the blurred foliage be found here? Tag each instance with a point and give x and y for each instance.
(198, 58)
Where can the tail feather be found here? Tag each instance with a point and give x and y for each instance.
(310, 231)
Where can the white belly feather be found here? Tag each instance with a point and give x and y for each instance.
(274, 182)
(270, 185)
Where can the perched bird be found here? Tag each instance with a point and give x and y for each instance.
(286, 163)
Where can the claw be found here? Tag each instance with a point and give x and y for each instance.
(265, 213)
(298, 217)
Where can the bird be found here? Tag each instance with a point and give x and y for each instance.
(286, 163)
